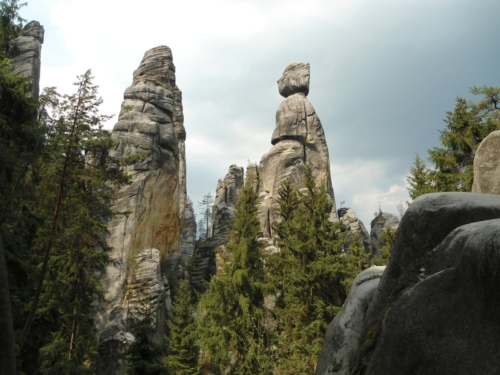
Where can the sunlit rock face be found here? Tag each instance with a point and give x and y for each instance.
(487, 165)
(152, 206)
(27, 58)
(297, 139)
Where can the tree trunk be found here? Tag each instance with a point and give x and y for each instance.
(7, 339)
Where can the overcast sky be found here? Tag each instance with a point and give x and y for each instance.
(383, 74)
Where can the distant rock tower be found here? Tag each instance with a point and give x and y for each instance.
(297, 139)
(27, 61)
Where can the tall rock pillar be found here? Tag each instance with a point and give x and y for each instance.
(150, 133)
(297, 139)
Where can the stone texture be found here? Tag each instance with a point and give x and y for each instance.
(435, 309)
(297, 139)
(343, 335)
(487, 165)
(204, 266)
(27, 61)
(354, 227)
(146, 286)
(188, 234)
(382, 220)
(223, 210)
(151, 206)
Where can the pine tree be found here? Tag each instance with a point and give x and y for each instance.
(307, 274)
(357, 260)
(182, 351)
(466, 127)
(74, 193)
(231, 314)
(206, 215)
(387, 237)
(143, 356)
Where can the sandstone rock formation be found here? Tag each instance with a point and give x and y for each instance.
(436, 306)
(27, 61)
(382, 220)
(354, 227)
(297, 139)
(149, 128)
(343, 334)
(223, 210)
(188, 234)
(487, 165)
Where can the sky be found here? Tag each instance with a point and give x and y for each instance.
(383, 75)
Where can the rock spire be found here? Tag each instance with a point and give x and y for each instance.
(298, 138)
(150, 132)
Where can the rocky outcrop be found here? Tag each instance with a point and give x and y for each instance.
(382, 220)
(487, 165)
(297, 139)
(204, 266)
(354, 227)
(27, 50)
(150, 135)
(343, 335)
(188, 234)
(436, 306)
(223, 211)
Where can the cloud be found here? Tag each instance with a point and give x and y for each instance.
(383, 73)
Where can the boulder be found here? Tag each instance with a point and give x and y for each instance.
(354, 227)
(436, 298)
(297, 139)
(27, 59)
(343, 334)
(487, 165)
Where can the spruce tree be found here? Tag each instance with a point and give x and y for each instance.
(307, 274)
(206, 215)
(387, 237)
(182, 351)
(468, 124)
(74, 194)
(356, 260)
(231, 314)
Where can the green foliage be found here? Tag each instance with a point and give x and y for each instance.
(357, 260)
(231, 313)
(10, 25)
(182, 351)
(143, 356)
(466, 127)
(307, 274)
(387, 238)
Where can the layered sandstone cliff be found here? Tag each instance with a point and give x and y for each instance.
(149, 133)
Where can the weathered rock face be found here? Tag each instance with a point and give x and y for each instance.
(354, 227)
(383, 219)
(297, 139)
(146, 287)
(343, 335)
(150, 126)
(487, 165)
(223, 210)
(188, 234)
(28, 59)
(435, 310)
